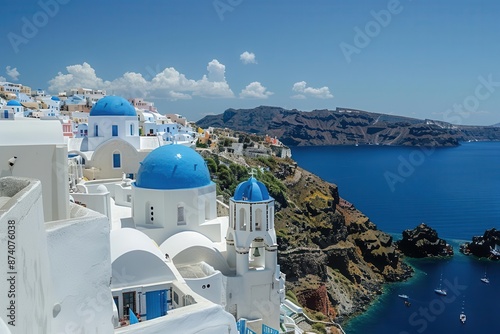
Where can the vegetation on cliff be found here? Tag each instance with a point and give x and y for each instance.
(335, 259)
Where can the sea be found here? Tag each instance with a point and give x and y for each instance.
(454, 190)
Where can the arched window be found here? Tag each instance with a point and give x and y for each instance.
(243, 223)
(258, 219)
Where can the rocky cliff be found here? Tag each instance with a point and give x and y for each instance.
(346, 127)
(328, 248)
(423, 241)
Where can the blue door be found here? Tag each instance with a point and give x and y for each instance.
(156, 304)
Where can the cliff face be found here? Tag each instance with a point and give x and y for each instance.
(346, 127)
(334, 257)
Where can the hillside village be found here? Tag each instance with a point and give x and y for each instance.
(141, 193)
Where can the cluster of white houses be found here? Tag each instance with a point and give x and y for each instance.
(109, 226)
(72, 108)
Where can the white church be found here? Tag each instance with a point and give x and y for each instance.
(99, 256)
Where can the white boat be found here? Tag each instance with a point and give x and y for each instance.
(485, 280)
(463, 317)
(440, 290)
(403, 296)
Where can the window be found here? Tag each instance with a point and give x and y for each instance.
(114, 130)
(258, 219)
(176, 298)
(180, 215)
(128, 303)
(117, 160)
(131, 129)
(96, 130)
(243, 225)
(5, 114)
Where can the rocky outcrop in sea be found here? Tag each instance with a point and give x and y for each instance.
(487, 245)
(423, 241)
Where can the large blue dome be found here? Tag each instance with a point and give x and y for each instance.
(252, 191)
(112, 106)
(14, 103)
(173, 167)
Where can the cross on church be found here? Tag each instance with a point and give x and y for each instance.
(253, 172)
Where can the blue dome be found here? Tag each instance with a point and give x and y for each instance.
(55, 98)
(14, 103)
(173, 167)
(252, 191)
(112, 106)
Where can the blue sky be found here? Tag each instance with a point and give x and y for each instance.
(417, 58)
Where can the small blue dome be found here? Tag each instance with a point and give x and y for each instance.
(112, 106)
(173, 167)
(252, 191)
(14, 103)
(55, 98)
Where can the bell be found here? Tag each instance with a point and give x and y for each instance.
(256, 252)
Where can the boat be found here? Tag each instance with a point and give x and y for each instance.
(463, 317)
(403, 296)
(407, 303)
(440, 290)
(485, 279)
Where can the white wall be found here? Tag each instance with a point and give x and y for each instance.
(80, 263)
(102, 159)
(41, 154)
(199, 205)
(29, 292)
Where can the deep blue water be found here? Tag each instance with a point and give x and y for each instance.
(454, 190)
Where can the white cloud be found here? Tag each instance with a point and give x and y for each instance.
(168, 83)
(77, 76)
(248, 58)
(255, 90)
(2, 79)
(304, 91)
(12, 72)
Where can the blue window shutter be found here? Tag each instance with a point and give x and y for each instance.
(116, 160)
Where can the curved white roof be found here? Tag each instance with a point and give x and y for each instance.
(137, 260)
(31, 132)
(191, 247)
(125, 240)
(180, 241)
